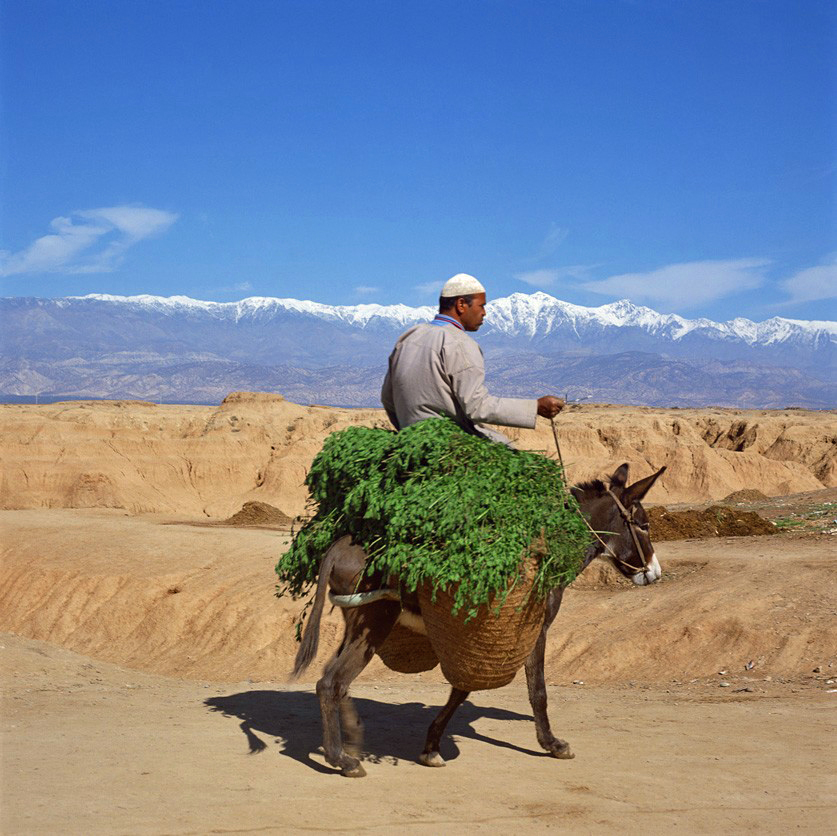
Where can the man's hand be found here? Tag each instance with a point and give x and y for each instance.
(549, 406)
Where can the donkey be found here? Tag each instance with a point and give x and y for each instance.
(612, 509)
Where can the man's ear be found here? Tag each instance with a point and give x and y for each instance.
(620, 477)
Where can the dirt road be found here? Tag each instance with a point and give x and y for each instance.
(89, 747)
(707, 704)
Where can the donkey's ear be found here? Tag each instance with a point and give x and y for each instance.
(620, 477)
(637, 491)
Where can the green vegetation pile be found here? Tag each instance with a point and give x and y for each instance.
(434, 504)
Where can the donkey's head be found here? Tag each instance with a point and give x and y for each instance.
(615, 512)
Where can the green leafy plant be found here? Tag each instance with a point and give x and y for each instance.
(434, 504)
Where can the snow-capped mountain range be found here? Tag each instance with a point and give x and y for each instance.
(521, 314)
(182, 349)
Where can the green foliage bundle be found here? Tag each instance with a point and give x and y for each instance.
(435, 504)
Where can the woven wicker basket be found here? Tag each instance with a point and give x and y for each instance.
(407, 652)
(489, 650)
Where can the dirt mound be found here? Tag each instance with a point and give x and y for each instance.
(259, 514)
(747, 495)
(715, 521)
(600, 574)
(252, 398)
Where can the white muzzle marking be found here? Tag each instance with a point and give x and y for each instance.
(651, 574)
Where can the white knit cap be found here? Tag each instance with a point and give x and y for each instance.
(461, 285)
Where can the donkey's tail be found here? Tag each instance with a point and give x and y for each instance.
(311, 637)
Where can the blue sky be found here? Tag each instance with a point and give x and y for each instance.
(680, 154)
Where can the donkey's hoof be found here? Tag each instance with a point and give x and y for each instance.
(353, 771)
(561, 750)
(431, 759)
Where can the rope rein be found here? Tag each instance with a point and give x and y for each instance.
(624, 513)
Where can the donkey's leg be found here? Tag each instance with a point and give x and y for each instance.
(536, 684)
(366, 629)
(430, 756)
(352, 728)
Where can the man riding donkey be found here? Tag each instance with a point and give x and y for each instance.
(436, 370)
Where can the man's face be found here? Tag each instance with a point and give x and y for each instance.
(471, 316)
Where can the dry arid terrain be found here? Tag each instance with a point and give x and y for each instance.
(145, 657)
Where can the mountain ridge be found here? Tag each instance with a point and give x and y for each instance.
(180, 349)
(503, 314)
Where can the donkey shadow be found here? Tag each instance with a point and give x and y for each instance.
(393, 733)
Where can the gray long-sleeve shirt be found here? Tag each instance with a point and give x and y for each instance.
(439, 371)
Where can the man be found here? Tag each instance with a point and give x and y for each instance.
(436, 369)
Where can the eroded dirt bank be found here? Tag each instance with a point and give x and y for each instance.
(208, 461)
(197, 601)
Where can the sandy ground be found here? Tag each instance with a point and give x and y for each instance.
(93, 748)
(129, 707)
(144, 655)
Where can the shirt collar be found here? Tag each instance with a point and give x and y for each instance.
(443, 319)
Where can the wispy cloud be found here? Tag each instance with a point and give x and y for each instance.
(555, 236)
(549, 277)
(812, 284)
(685, 285)
(88, 241)
(366, 290)
(430, 289)
(235, 289)
(552, 240)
